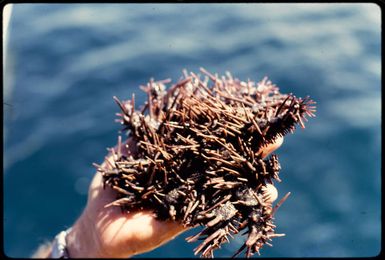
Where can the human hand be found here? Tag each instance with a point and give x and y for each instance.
(107, 232)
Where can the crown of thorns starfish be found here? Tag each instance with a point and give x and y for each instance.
(198, 156)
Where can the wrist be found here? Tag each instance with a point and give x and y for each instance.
(81, 241)
(59, 245)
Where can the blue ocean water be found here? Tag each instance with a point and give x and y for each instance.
(66, 61)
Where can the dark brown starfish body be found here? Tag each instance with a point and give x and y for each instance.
(198, 158)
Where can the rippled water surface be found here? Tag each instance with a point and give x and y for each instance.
(66, 61)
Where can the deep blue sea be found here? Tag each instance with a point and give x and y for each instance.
(66, 61)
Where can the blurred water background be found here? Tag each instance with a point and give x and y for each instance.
(66, 61)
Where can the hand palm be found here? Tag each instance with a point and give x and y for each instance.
(125, 234)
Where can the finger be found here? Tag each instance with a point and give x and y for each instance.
(170, 229)
(265, 151)
(270, 193)
(141, 232)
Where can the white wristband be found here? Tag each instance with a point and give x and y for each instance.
(59, 246)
